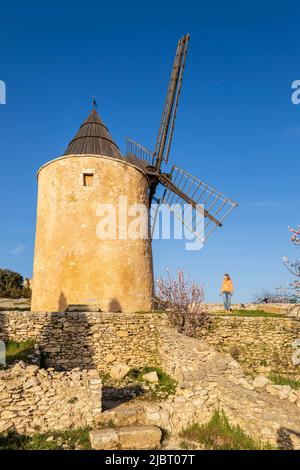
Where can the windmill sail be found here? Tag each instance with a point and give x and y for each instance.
(134, 149)
(154, 215)
(165, 133)
(199, 207)
(182, 188)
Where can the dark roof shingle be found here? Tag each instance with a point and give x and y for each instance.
(93, 138)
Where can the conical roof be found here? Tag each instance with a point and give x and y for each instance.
(93, 138)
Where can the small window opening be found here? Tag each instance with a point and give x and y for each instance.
(88, 179)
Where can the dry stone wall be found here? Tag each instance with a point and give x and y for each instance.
(259, 344)
(100, 340)
(87, 340)
(34, 399)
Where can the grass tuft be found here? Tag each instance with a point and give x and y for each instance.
(187, 445)
(279, 379)
(166, 385)
(248, 313)
(64, 440)
(219, 434)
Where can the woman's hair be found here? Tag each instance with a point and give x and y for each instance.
(227, 275)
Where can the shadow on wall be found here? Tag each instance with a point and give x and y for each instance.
(115, 306)
(284, 438)
(66, 340)
(62, 303)
(4, 334)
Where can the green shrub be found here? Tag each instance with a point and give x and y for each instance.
(12, 285)
(26, 292)
(19, 351)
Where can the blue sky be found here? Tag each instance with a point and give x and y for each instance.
(236, 129)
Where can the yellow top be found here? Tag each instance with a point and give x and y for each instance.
(227, 286)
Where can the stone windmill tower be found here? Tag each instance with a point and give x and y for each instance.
(71, 264)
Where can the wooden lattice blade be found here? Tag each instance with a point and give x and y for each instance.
(165, 133)
(185, 192)
(136, 150)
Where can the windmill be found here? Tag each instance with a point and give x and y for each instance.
(76, 263)
(180, 187)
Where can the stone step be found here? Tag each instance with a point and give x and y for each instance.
(123, 416)
(83, 308)
(130, 438)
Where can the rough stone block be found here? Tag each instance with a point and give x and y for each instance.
(139, 437)
(119, 371)
(122, 333)
(273, 390)
(110, 358)
(261, 381)
(151, 377)
(106, 439)
(133, 437)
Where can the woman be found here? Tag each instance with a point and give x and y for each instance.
(227, 291)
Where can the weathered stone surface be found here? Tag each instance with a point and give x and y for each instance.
(261, 381)
(119, 371)
(262, 412)
(151, 377)
(88, 339)
(122, 333)
(48, 400)
(67, 241)
(140, 437)
(104, 439)
(110, 358)
(83, 308)
(292, 397)
(207, 379)
(133, 437)
(272, 389)
(260, 344)
(124, 415)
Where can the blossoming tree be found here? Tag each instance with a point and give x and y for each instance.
(294, 266)
(184, 301)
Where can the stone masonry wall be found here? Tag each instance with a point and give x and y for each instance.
(259, 344)
(98, 340)
(87, 340)
(34, 399)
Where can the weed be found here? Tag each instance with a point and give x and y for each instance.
(219, 434)
(278, 379)
(69, 440)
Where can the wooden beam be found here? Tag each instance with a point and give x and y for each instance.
(165, 181)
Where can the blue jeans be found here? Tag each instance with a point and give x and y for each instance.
(227, 300)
